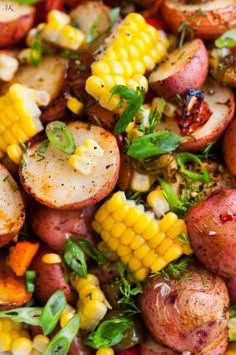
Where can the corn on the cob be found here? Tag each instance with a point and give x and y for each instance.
(142, 242)
(86, 156)
(232, 327)
(8, 67)
(132, 49)
(92, 304)
(19, 117)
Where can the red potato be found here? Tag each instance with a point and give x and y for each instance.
(53, 182)
(184, 68)
(186, 314)
(12, 207)
(207, 19)
(15, 22)
(221, 102)
(231, 284)
(150, 347)
(211, 228)
(229, 147)
(54, 226)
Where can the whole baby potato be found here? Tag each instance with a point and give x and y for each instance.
(189, 313)
(211, 226)
(229, 147)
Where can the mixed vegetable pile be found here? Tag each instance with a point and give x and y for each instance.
(118, 188)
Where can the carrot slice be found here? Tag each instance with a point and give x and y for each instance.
(21, 255)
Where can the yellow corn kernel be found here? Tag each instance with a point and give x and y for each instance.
(96, 226)
(132, 215)
(86, 290)
(176, 229)
(113, 243)
(24, 333)
(123, 250)
(167, 221)
(117, 229)
(109, 254)
(97, 309)
(137, 242)
(173, 252)
(102, 214)
(149, 258)
(156, 240)
(142, 223)
(106, 236)
(74, 105)
(5, 341)
(114, 202)
(151, 230)
(21, 346)
(163, 247)
(127, 236)
(120, 213)
(8, 67)
(67, 314)
(142, 273)
(94, 84)
(140, 182)
(157, 201)
(40, 342)
(141, 251)
(134, 263)
(108, 223)
(158, 264)
(105, 351)
(35, 352)
(14, 334)
(51, 258)
(6, 324)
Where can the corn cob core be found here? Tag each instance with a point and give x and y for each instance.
(19, 117)
(132, 49)
(142, 242)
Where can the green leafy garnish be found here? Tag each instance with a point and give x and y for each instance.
(108, 333)
(74, 257)
(90, 36)
(27, 2)
(60, 136)
(183, 158)
(153, 144)
(134, 101)
(89, 249)
(176, 269)
(227, 39)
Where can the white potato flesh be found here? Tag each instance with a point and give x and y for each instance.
(12, 208)
(208, 6)
(52, 181)
(12, 10)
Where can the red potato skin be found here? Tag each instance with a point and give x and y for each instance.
(229, 147)
(54, 226)
(211, 228)
(187, 315)
(231, 284)
(151, 347)
(78, 348)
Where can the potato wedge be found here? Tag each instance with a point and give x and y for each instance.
(185, 67)
(222, 104)
(51, 180)
(208, 20)
(12, 208)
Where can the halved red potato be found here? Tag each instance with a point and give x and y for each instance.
(15, 22)
(185, 67)
(229, 147)
(150, 347)
(51, 180)
(13, 292)
(12, 208)
(222, 105)
(207, 19)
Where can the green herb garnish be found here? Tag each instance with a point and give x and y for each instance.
(74, 257)
(227, 39)
(60, 136)
(183, 158)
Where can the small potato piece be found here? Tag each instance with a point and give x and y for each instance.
(231, 284)
(150, 347)
(229, 147)
(12, 208)
(52, 181)
(15, 22)
(184, 68)
(185, 314)
(208, 19)
(211, 228)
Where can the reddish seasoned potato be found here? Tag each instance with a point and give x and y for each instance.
(229, 147)
(211, 229)
(186, 314)
(208, 19)
(54, 226)
(150, 347)
(221, 102)
(184, 68)
(58, 185)
(12, 207)
(15, 22)
(231, 284)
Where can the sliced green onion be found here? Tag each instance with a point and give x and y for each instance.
(228, 39)
(29, 279)
(183, 158)
(28, 315)
(90, 37)
(89, 249)
(75, 258)
(153, 144)
(60, 136)
(52, 311)
(27, 2)
(60, 343)
(108, 333)
(175, 204)
(36, 52)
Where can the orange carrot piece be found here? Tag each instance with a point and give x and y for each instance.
(21, 255)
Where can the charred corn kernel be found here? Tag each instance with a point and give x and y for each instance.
(67, 314)
(141, 242)
(86, 156)
(8, 67)
(51, 258)
(105, 351)
(92, 304)
(21, 346)
(20, 116)
(58, 31)
(74, 105)
(157, 201)
(124, 55)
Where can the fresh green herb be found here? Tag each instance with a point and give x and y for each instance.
(52, 311)
(153, 144)
(27, 2)
(183, 30)
(91, 34)
(108, 333)
(74, 257)
(36, 51)
(60, 343)
(29, 280)
(155, 116)
(183, 238)
(134, 99)
(175, 203)
(183, 158)
(69, 54)
(227, 39)
(89, 249)
(28, 315)
(176, 270)
(43, 147)
(60, 136)
(12, 185)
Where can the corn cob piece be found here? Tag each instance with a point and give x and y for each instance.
(19, 118)
(8, 67)
(92, 304)
(132, 49)
(142, 242)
